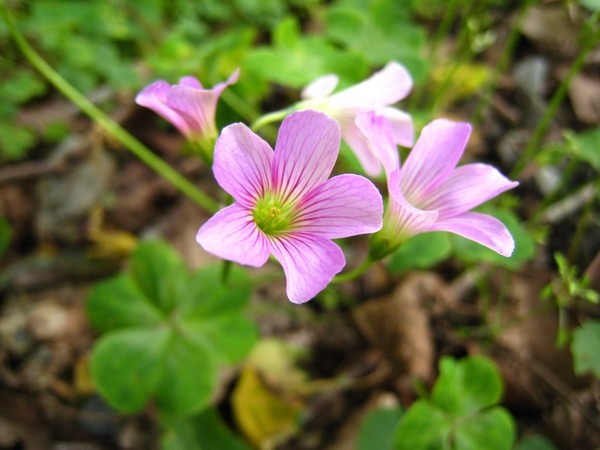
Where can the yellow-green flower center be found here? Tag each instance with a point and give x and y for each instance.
(273, 216)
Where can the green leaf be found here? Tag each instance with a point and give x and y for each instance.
(208, 295)
(295, 60)
(377, 429)
(592, 5)
(466, 386)
(585, 146)
(493, 429)
(159, 273)
(5, 235)
(119, 303)
(420, 252)
(423, 427)
(535, 442)
(263, 12)
(56, 132)
(585, 348)
(126, 366)
(379, 31)
(200, 321)
(22, 87)
(473, 252)
(205, 431)
(226, 338)
(212, 316)
(189, 376)
(15, 142)
(460, 415)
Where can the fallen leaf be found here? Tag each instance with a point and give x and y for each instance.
(264, 416)
(584, 93)
(553, 29)
(398, 325)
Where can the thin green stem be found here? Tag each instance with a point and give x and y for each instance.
(578, 235)
(239, 105)
(109, 125)
(225, 272)
(462, 53)
(354, 273)
(565, 176)
(590, 38)
(269, 118)
(450, 12)
(505, 58)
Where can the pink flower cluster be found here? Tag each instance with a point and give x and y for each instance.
(285, 204)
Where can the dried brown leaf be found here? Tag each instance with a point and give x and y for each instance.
(554, 29)
(398, 325)
(584, 92)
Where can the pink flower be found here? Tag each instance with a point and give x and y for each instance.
(429, 193)
(188, 106)
(376, 93)
(285, 205)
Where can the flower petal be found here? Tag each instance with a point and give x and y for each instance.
(307, 147)
(232, 234)
(320, 88)
(196, 106)
(154, 97)
(242, 163)
(365, 152)
(345, 205)
(309, 263)
(481, 228)
(385, 87)
(191, 82)
(233, 78)
(433, 159)
(403, 219)
(402, 125)
(378, 134)
(467, 187)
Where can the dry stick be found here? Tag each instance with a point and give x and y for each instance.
(114, 129)
(562, 389)
(18, 172)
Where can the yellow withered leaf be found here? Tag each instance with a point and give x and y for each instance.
(264, 415)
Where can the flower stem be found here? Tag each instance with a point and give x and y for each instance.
(225, 272)
(503, 62)
(354, 273)
(590, 37)
(109, 125)
(269, 117)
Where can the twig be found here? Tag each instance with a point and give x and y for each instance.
(18, 172)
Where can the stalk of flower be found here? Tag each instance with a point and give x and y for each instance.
(189, 107)
(285, 203)
(429, 193)
(377, 93)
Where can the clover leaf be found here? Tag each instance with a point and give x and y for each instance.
(167, 331)
(586, 355)
(421, 251)
(461, 413)
(294, 59)
(379, 31)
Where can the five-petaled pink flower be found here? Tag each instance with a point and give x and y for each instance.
(188, 105)
(429, 193)
(376, 93)
(285, 205)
